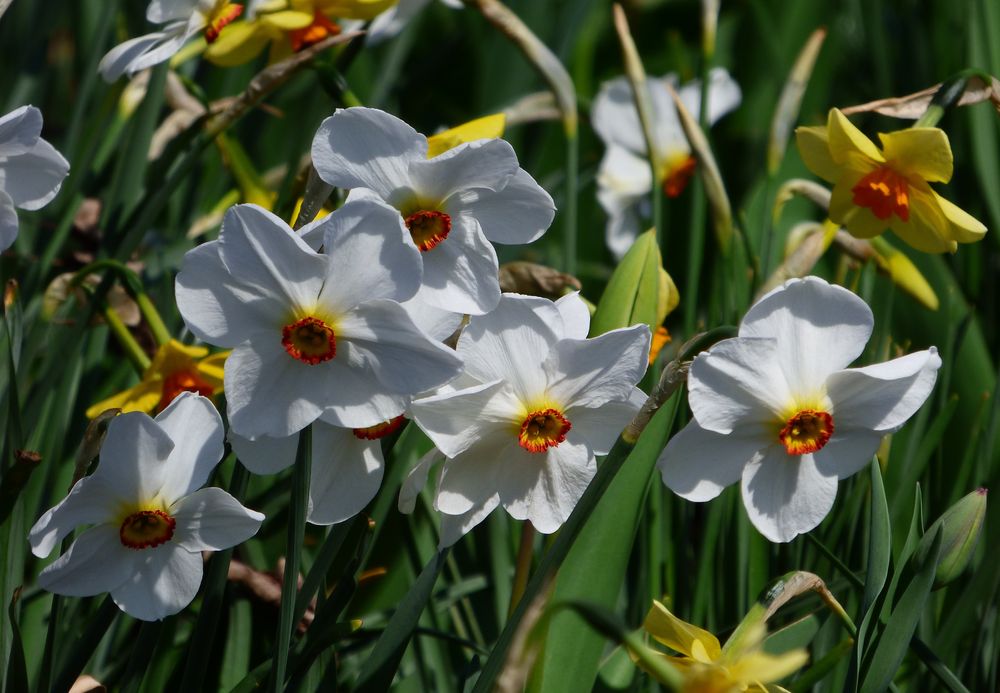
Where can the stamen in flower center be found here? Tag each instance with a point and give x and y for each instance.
(182, 381)
(678, 176)
(543, 429)
(807, 431)
(320, 29)
(380, 430)
(309, 340)
(428, 228)
(220, 18)
(146, 528)
(885, 193)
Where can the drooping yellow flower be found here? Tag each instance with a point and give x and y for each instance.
(288, 26)
(176, 368)
(487, 127)
(875, 189)
(708, 667)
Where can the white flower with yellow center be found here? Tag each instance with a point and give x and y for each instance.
(183, 20)
(313, 334)
(539, 402)
(150, 519)
(624, 179)
(452, 204)
(777, 408)
(31, 170)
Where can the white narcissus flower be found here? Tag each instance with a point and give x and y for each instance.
(184, 19)
(777, 408)
(150, 517)
(543, 403)
(624, 179)
(453, 204)
(31, 170)
(314, 335)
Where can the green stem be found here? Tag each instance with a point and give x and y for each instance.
(132, 349)
(153, 319)
(522, 570)
(296, 534)
(572, 187)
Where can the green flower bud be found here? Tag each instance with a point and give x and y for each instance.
(960, 527)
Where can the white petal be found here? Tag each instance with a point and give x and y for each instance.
(269, 393)
(575, 316)
(19, 130)
(133, 456)
(211, 520)
(33, 178)
(697, 463)
(384, 341)
(91, 501)
(366, 148)
(346, 474)
(847, 452)
(820, 328)
(614, 117)
(263, 253)
(217, 308)
(724, 94)
(588, 373)
(392, 21)
(456, 421)
(601, 426)
(624, 181)
(454, 527)
(195, 426)
(415, 481)
(736, 383)
(361, 398)
(436, 323)
(95, 563)
(786, 496)
(167, 580)
(883, 396)
(469, 479)
(461, 273)
(8, 221)
(545, 487)
(510, 343)
(371, 255)
(519, 213)
(482, 164)
(142, 52)
(160, 11)
(265, 454)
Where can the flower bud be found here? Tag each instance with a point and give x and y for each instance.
(960, 527)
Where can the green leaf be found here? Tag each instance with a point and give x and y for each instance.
(633, 294)
(797, 634)
(381, 665)
(595, 566)
(16, 675)
(894, 640)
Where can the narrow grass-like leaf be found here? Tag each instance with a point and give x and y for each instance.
(632, 295)
(15, 678)
(879, 557)
(84, 646)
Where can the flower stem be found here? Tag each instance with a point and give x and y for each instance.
(153, 319)
(522, 570)
(570, 217)
(132, 349)
(296, 534)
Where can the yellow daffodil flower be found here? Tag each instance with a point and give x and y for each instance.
(487, 127)
(875, 189)
(176, 368)
(708, 667)
(287, 26)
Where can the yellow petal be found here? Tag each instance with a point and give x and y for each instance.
(904, 273)
(487, 127)
(847, 142)
(928, 228)
(965, 228)
(681, 636)
(212, 369)
(760, 667)
(921, 152)
(241, 42)
(287, 20)
(814, 147)
(174, 356)
(142, 397)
